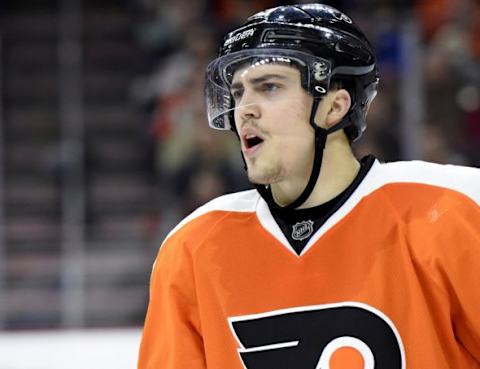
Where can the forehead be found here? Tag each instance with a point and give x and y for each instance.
(250, 72)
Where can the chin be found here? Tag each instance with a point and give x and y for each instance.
(257, 181)
(264, 177)
(256, 178)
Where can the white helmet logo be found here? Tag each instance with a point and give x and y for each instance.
(320, 70)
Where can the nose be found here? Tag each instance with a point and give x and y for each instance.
(247, 108)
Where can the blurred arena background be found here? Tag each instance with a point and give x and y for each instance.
(104, 146)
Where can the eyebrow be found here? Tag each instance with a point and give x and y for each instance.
(260, 79)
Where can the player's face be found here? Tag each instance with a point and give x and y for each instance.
(272, 118)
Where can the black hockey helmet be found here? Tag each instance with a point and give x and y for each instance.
(321, 41)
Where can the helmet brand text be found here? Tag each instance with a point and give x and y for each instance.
(239, 36)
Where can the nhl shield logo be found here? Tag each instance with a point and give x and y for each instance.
(302, 230)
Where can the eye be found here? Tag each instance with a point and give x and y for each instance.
(270, 87)
(237, 94)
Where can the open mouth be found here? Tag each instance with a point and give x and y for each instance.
(252, 141)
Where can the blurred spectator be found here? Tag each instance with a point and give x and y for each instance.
(452, 72)
(437, 149)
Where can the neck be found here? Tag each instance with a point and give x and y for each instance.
(339, 169)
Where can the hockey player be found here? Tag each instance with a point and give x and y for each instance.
(330, 262)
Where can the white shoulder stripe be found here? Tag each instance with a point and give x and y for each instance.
(244, 201)
(465, 180)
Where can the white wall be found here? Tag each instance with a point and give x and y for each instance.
(70, 349)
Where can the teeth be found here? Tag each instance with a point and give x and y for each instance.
(248, 137)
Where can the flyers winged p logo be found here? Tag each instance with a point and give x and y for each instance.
(319, 337)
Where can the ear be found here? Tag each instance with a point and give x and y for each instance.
(339, 104)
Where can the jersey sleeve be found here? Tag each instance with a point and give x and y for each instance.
(172, 336)
(449, 243)
(463, 276)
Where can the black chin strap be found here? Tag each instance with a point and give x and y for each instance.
(320, 140)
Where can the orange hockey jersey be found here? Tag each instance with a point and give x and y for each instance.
(391, 280)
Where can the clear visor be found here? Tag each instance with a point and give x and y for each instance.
(221, 72)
